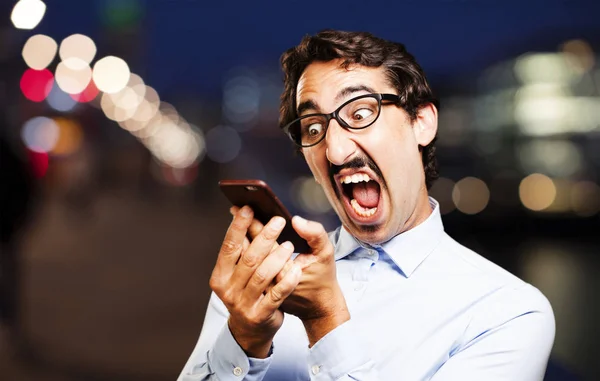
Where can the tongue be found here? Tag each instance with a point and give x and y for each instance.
(366, 194)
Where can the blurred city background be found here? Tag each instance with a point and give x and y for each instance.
(120, 116)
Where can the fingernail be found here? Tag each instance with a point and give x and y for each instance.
(296, 270)
(300, 220)
(288, 246)
(278, 222)
(246, 211)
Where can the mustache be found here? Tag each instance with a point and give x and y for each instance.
(355, 163)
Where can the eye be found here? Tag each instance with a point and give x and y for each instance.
(362, 113)
(314, 129)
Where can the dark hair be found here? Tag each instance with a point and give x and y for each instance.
(361, 48)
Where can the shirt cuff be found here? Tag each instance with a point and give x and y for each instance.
(229, 362)
(337, 353)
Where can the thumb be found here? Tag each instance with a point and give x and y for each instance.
(314, 233)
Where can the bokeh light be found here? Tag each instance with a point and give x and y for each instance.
(73, 75)
(36, 84)
(175, 146)
(132, 95)
(536, 68)
(146, 129)
(70, 136)
(169, 111)
(537, 192)
(59, 100)
(39, 162)
(111, 74)
(113, 111)
(470, 195)
(223, 144)
(579, 55)
(88, 94)
(241, 98)
(40, 134)
(441, 191)
(27, 14)
(148, 107)
(78, 46)
(309, 196)
(556, 157)
(39, 51)
(562, 200)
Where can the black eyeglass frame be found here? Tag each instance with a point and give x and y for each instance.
(395, 99)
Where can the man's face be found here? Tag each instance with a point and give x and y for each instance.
(374, 177)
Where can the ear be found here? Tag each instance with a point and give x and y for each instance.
(425, 126)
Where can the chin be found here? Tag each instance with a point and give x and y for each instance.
(371, 234)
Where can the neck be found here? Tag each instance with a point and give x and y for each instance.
(421, 213)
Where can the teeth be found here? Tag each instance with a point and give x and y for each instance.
(362, 211)
(356, 178)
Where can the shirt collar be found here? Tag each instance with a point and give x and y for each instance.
(408, 250)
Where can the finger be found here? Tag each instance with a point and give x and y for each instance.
(259, 248)
(233, 243)
(314, 233)
(267, 270)
(278, 293)
(246, 244)
(254, 230)
(286, 267)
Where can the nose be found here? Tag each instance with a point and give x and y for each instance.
(340, 146)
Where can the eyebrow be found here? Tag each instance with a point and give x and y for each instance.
(344, 93)
(351, 90)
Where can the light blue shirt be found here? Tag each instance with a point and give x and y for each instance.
(422, 306)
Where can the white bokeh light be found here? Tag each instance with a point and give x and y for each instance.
(27, 14)
(78, 46)
(39, 51)
(73, 75)
(111, 74)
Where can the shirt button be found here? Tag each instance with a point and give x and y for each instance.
(237, 371)
(372, 252)
(315, 369)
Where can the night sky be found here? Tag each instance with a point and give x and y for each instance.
(189, 45)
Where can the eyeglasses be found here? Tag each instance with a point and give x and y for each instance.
(355, 114)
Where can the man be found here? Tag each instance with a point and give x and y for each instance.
(388, 295)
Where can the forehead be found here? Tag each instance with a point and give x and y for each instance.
(322, 81)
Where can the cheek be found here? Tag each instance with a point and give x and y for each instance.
(317, 164)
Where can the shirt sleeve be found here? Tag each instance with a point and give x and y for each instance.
(217, 356)
(341, 355)
(516, 349)
(509, 340)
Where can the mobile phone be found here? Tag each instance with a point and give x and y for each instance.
(265, 204)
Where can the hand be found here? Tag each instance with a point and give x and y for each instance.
(242, 277)
(317, 300)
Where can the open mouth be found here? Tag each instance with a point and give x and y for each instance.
(362, 195)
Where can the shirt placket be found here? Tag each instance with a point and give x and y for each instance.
(361, 274)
